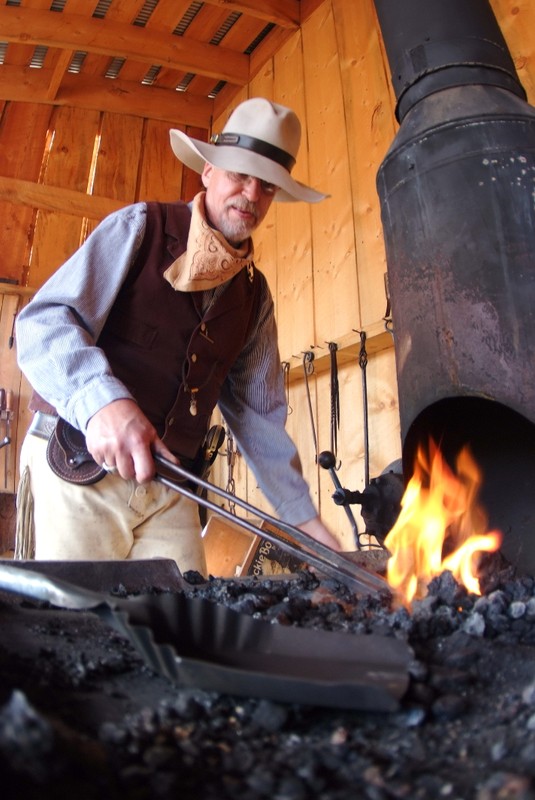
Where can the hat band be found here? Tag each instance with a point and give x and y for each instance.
(257, 146)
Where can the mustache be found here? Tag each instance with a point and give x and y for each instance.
(245, 205)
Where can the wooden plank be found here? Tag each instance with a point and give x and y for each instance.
(119, 40)
(268, 48)
(300, 429)
(336, 289)
(308, 7)
(377, 338)
(15, 241)
(517, 23)
(9, 380)
(370, 127)
(160, 172)
(295, 284)
(119, 153)
(68, 164)
(293, 256)
(53, 198)
(23, 131)
(101, 94)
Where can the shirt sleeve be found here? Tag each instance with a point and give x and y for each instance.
(253, 404)
(57, 331)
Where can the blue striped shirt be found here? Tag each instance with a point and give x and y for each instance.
(56, 346)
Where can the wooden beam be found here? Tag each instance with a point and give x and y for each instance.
(115, 39)
(58, 72)
(285, 13)
(377, 338)
(53, 198)
(25, 85)
(307, 8)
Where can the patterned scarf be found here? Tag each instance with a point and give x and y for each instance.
(209, 260)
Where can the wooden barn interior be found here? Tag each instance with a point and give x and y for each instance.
(88, 93)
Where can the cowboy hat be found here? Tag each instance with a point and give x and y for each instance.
(260, 139)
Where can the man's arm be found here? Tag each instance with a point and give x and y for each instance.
(253, 403)
(56, 347)
(57, 331)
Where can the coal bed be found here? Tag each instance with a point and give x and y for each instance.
(82, 715)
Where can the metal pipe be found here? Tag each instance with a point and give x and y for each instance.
(439, 44)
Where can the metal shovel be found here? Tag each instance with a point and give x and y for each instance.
(198, 643)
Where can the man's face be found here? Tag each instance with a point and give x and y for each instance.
(236, 204)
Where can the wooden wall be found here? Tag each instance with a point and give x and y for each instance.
(63, 169)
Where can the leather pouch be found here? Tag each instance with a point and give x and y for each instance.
(69, 458)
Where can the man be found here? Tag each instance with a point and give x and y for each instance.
(159, 316)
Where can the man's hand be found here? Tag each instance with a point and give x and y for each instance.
(315, 528)
(120, 435)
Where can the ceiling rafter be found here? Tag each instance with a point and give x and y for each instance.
(101, 94)
(115, 39)
(286, 13)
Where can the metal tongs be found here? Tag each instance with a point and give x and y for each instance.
(314, 553)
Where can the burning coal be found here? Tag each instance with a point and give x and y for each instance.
(441, 526)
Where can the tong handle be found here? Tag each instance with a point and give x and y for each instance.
(36, 586)
(313, 552)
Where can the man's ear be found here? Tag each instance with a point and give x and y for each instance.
(206, 173)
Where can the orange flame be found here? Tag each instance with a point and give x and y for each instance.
(439, 511)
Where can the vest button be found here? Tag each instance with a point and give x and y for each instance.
(171, 421)
(193, 357)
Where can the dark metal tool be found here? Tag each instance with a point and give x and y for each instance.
(326, 460)
(4, 416)
(314, 553)
(198, 643)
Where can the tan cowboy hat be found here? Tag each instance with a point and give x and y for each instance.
(260, 139)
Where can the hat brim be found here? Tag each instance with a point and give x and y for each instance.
(194, 154)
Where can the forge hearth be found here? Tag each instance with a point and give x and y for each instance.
(82, 716)
(456, 191)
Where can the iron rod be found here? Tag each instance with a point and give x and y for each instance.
(313, 552)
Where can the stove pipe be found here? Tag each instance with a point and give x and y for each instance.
(457, 193)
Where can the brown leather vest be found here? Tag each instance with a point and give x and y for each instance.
(171, 356)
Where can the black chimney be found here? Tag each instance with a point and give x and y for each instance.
(457, 192)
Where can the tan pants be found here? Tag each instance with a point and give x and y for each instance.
(113, 519)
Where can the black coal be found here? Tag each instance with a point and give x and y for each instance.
(82, 717)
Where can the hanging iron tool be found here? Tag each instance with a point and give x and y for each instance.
(213, 441)
(326, 460)
(286, 375)
(232, 452)
(4, 416)
(363, 363)
(308, 370)
(11, 340)
(335, 399)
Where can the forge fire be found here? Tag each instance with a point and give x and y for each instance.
(441, 526)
